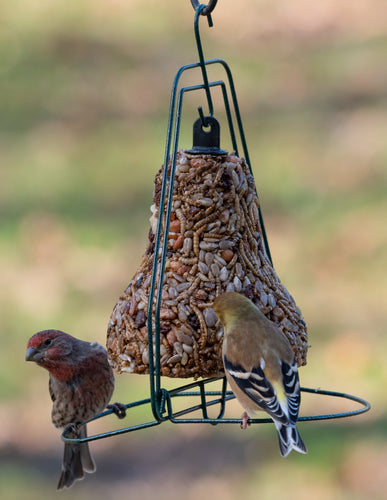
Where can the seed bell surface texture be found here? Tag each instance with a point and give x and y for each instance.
(215, 245)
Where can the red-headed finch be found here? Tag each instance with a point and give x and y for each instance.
(260, 367)
(81, 384)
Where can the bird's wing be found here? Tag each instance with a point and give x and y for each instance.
(292, 389)
(258, 388)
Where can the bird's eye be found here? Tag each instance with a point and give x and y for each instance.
(47, 342)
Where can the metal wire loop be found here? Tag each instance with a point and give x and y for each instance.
(202, 117)
(207, 9)
(200, 399)
(201, 59)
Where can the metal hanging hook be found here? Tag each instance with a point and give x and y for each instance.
(207, 8)
(202, 62)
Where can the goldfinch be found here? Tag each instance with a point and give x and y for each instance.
(260, 367)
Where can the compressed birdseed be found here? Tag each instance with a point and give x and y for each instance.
(214, 245)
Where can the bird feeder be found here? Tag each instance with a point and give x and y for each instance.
(206, 236)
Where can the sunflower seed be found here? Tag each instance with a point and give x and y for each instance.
(183, 337)
(246, 282)
(183, 286)
(225, 244)
(209, 257)
(184, 359)
(145, 357)
(187, 348)
(239, 270)
(215, 269)
(172, 292)
(223, 275)
(170, 303)
(220, 260)
(237, 284)
(174, 359)
(208, 245)
(181, 313)
(210, 317)
(187, 246)
(177, 347)
(186, 329)
(164, 359)
(203, 268)
(271, 300)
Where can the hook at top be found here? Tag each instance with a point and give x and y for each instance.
(207, 8)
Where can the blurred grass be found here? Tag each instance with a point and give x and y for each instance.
(84, 96)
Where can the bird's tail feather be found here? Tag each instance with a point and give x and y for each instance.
(76, 460)
(289, 439)
(86, 458)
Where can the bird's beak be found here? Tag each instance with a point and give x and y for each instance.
(33, 354)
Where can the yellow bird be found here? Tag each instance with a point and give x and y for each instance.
(260, 367)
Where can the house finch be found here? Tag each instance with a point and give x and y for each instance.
(81, 384)
(260, 367)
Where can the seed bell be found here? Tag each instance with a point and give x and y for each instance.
(215, 245)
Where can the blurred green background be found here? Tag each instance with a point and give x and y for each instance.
(84, 98)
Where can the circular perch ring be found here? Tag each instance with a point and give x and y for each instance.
(174, 416)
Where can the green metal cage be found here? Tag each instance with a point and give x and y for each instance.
(166, 405)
